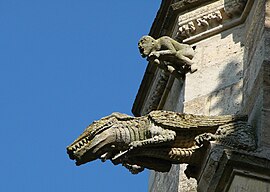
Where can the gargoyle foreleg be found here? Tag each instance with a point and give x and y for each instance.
(159, 138)
(164, 137)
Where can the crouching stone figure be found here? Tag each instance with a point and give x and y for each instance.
(168, 54)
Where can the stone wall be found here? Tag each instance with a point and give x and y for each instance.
(257, 75)
(216, 88)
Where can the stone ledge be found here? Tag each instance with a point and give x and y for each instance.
(223, 165)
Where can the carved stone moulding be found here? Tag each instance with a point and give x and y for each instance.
(202, 22)
(232, 170)
(156, 93)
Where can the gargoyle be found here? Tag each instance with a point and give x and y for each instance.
(159, 139)
(168, 54)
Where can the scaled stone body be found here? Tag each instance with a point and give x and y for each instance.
(168, 54)
(159, 139)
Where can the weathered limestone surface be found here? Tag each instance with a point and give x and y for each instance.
(216, 88)
(217, 85)
(256, 70)
(253, 68)
(160, 182)
(232, 170)
(248, 184)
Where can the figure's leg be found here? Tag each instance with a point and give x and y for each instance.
(183, 60)
(193, 68)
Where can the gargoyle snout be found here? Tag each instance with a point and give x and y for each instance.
(70, 153)
(91, 148)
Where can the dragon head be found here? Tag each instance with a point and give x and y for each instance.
(97, 141)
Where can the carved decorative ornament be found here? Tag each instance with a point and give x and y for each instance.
(197, 24)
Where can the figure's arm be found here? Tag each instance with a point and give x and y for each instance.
(166, 47)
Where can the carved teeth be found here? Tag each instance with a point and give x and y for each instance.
(80, 144)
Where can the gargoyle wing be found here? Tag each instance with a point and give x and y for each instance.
(176, 121)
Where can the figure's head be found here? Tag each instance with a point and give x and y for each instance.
(146, 44)
(97, 141)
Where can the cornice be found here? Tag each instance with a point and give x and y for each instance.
(193, 25)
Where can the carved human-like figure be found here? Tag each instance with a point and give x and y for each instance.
(168, 54)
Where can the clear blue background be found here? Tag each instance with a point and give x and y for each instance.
(64, 64)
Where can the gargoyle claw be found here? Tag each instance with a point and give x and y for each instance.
(201, 139)
(135, 144)
(134, 169)
(154, 55)
(116, 159)
(105, 156)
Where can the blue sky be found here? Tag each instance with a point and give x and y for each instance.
(64, 64)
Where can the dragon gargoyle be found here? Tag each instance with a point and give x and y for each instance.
(159, 139)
